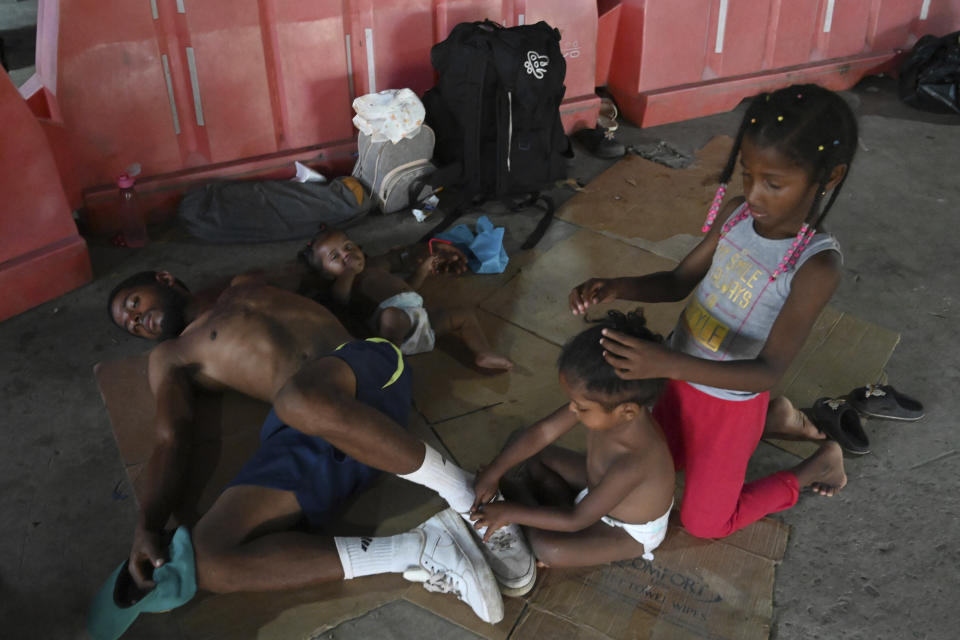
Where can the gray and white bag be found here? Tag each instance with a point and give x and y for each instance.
(389, 170)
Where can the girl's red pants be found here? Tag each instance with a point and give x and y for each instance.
(712, 439)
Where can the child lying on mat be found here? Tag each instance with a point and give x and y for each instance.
(368, 286)
(610, 504)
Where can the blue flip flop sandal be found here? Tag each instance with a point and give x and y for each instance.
(836, 418)
(883, 401)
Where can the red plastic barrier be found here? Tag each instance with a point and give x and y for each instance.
(41, 254)
(193, 90)
(680, 59)
(607, 22)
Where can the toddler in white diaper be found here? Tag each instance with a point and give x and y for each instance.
(369, 287)
(611, 503)
(649, 534)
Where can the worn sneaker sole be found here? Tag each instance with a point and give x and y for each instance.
(519, 587)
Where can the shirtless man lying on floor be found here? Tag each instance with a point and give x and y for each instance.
(338, 403)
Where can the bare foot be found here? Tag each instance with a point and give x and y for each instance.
(823, 471)
(786, 422)
(491, 360)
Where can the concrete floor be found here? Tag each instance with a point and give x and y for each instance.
(879, 561)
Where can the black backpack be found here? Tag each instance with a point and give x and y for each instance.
(496, 113)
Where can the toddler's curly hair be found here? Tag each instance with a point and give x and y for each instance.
(581, 362)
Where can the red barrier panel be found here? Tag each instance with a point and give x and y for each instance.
(192, 90)
(41, 254)
(680, 59)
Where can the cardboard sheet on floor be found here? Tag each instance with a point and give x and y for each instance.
(476, 438)
(693, 589)
(231, 428)
(447, 384)
(536, 299)
(638, 199)
(469, 289)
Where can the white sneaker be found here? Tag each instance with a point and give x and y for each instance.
(451, 562)
(509, 557)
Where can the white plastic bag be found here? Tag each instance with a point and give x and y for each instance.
(391, 115)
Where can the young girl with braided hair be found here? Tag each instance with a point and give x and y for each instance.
(760, 277)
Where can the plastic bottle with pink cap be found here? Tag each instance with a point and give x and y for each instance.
(134, 230)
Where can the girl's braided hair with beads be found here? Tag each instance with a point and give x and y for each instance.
(581, 362)
(812, 126)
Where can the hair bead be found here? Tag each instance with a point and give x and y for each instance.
(731, 222)
(714, 207)
(820, 148)
(793, 254)
(779, 118)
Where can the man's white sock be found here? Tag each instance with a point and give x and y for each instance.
(365, 556)
(452, 483)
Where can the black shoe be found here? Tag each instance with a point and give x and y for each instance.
(841, 422)
(600, 142)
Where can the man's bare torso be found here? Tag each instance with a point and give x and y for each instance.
(253, 340)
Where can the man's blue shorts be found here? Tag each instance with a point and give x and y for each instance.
(322, 476)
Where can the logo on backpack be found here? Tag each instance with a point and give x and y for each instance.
(536, 64)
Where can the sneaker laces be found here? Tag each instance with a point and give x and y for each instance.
(835, 403)
(442, 582)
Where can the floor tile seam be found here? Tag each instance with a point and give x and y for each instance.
(518, 326)
(460, 415)
(524, 609)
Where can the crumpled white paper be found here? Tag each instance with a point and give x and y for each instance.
(306, 174)
(391, 115)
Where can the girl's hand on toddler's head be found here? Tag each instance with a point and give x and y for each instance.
(593, 291)
(633, 358)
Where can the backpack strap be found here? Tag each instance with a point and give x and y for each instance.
(535, 200)
(545, 220)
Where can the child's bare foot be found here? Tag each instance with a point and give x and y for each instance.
(823, 471)
(491, 360)
(786, 422)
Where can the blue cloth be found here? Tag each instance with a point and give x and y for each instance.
(484, 249)
(321, 476)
